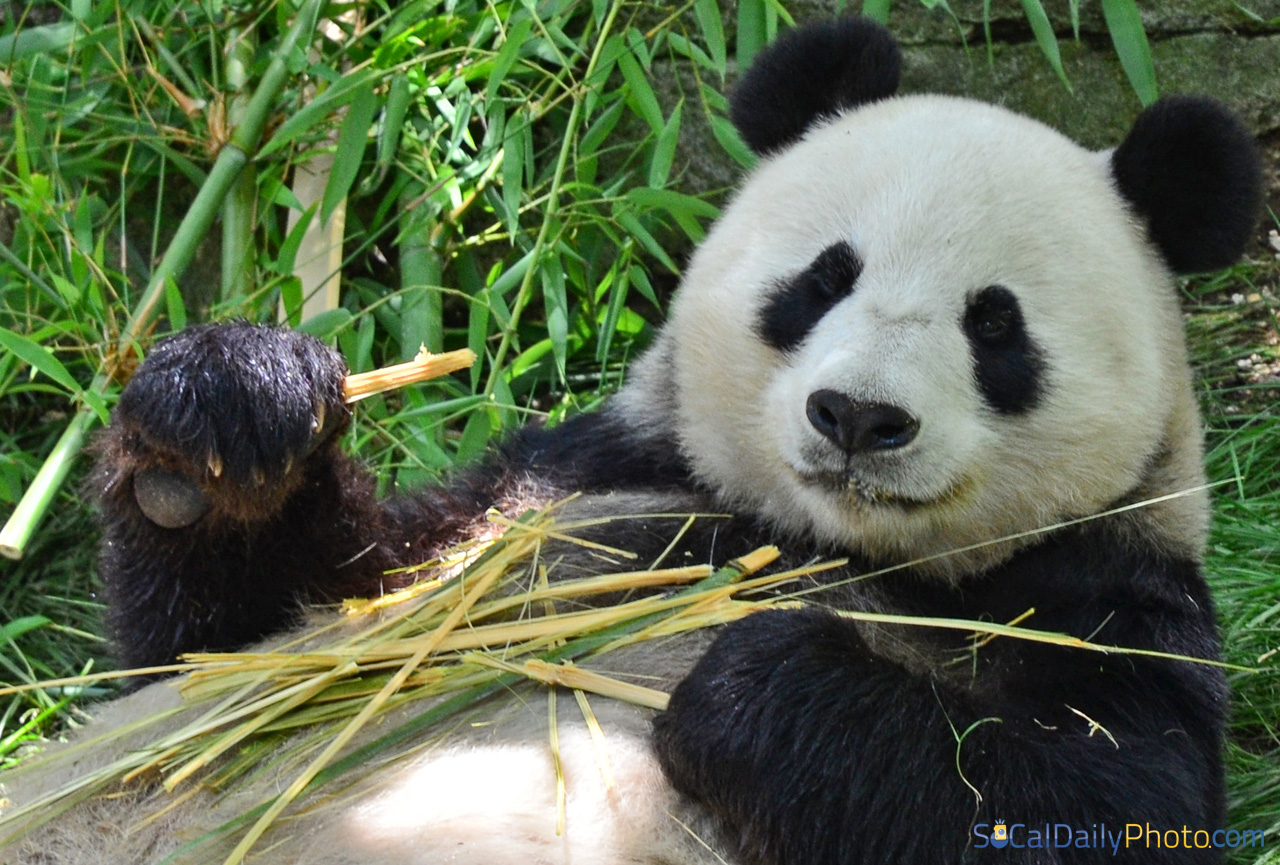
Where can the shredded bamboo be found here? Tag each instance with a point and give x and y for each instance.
(483, 618)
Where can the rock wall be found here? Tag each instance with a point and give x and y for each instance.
(1225, 49)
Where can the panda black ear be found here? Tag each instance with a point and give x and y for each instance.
(811, 73)
(1191, 169)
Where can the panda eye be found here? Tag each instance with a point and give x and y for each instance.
(994, 325)
(1008, 364)
(833, 272)
(993, 317)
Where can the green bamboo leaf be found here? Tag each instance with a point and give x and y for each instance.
(517, 36)
(526, 359)
(557, 306)
(33, 41)
(39, 357)
(673, 202)
(685, 48)
(174, 305)
(389, 130)
(513, 160)
(708, 12)
(478, 332)
(291, 300)
(20, 626)
(512, 276)
(877, 10)
(600, 130)
(362, 360)
(338, 94)
(475, 436)
(274, 191)
(352, 139)
(503, 397)
(727, 134)
(632, 224)
(664, 151)
(288, 255)
(1045, 38)
(324, 325)
(641, 97)
(640, 279)
(1127, 34)
(753, 32)
(70, 293)
(609, 325)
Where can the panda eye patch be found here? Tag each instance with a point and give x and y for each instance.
(1008, 364)
(799, 302)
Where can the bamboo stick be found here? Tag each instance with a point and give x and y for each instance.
(426, 365)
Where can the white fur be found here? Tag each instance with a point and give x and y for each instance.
(940, 197)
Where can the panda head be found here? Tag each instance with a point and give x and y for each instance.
(925, 323)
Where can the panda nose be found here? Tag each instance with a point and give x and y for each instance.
(860, 426)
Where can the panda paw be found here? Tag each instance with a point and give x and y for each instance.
(754, 705)
(220, 415)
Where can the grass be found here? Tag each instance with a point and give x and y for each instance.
(1242, 410)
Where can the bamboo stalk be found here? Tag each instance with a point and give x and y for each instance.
(22, 523)
(238, 208)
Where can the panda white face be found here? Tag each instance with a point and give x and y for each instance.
(929, 324)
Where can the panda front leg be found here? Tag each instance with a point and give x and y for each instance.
(224, 498)
(812, 749)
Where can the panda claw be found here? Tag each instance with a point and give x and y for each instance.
(317, 423)
(215, 465)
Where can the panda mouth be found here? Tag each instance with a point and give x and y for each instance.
(861, 491)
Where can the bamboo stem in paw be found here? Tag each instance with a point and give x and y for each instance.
(425, 366)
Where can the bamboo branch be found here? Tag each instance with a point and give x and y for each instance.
(21, 525)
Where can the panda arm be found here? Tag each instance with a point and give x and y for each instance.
(224, 499)
(816, 750)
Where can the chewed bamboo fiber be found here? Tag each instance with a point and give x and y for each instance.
(481, 619)
(461, 633)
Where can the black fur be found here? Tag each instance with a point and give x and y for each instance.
(796, 305)
(816, 749)
(810, 74)
(1007, 362)
(202, 392)
(1192, 170)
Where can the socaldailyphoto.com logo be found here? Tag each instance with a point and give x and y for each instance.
(1099, 836)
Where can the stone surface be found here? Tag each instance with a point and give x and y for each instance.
(1100, 108)
(1224, 49)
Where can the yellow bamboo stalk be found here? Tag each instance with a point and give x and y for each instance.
(426, 365)
(570, 676)
(357, 723)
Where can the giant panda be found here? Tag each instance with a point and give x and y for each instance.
(926, 332)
